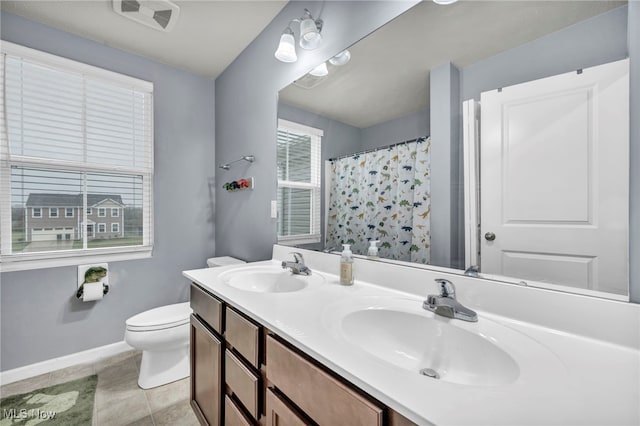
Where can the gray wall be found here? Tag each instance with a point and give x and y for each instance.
(246, 95)
(446, 205)
(41, 319)
(397, 130)
(596, 41)
(339, 138)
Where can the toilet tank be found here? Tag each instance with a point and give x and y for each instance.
(214, 262)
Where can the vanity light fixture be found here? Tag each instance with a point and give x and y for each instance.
(444, 2)
(320, 71)
(310, 37)
(341, 58)
(249, 158)
(287, 47)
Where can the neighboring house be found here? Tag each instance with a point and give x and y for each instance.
(59, 217)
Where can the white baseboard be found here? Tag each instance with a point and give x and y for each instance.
(53, 364)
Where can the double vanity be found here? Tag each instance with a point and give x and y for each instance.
(273, 347)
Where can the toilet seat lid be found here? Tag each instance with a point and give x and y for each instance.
(161, 317)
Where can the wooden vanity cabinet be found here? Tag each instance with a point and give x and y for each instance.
(244, 375)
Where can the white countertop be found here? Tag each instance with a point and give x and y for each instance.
(565, 378)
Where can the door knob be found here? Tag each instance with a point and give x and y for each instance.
(489, 236)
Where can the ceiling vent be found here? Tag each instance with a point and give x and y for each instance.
(159, 14)
(309, 81)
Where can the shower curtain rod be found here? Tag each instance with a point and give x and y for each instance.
(377, 149)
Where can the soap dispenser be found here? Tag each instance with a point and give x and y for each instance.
(346, 265)
(372, 253)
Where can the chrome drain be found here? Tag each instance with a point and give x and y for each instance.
(430, 372)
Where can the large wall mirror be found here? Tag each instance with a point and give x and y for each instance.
(394, 158)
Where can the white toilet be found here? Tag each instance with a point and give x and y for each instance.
(163, 336)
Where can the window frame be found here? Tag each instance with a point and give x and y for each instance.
(117, 226)
(35, 260)
(66, 211)
(116, 210)
(54, 209)
(102, 212)
(102, 228)
(33, 212)
(315, 185)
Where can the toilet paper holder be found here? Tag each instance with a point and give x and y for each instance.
(80, 292)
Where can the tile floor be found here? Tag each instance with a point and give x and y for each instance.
(119, 401)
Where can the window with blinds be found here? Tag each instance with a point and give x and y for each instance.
(75, 139)
(298, 152)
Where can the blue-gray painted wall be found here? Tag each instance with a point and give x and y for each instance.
(40, 317)
(400, 129)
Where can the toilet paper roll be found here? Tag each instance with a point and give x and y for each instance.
(92, 291)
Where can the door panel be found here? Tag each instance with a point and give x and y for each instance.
(554, 179)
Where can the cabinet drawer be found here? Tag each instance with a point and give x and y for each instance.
(243, 335)
(327, 400)
(243, 383)
(233, 415)
(280, 413)
(207, 307)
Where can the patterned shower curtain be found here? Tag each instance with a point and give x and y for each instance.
(383, 195)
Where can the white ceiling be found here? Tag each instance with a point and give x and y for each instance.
(388, 75)
(207, 37)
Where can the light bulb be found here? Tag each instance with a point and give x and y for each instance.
(320, 71)
(310, 36)
(341, 58)
(286, 51)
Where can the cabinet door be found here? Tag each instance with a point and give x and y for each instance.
(279, 413)
(206, 373)
(324, 398)
(233, 415)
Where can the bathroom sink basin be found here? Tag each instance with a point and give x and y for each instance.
(437, 348)
(401, 333)
(269, 279)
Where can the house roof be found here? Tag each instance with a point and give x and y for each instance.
(69, 200)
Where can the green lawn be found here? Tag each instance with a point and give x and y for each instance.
(113, 242)
(17, 241)
(18, 244)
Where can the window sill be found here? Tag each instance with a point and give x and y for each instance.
(299, 239)
(14, 263)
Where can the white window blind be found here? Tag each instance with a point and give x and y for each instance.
(73, 137)
(299, 152)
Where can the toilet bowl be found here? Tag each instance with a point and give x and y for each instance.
(163, 336)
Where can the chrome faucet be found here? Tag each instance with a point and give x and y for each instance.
(297, 266)
(446, 304)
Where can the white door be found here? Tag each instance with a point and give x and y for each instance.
(554, 179)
